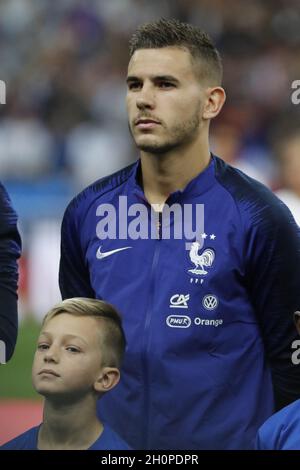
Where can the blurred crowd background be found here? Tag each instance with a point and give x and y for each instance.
(64, 123)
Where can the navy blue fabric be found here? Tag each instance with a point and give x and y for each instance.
(108, 440)
(206, 383)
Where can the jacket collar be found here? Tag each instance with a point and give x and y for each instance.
(196, 187)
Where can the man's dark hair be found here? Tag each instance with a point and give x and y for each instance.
(165, 33)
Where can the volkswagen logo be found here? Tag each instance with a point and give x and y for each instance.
(210, 302)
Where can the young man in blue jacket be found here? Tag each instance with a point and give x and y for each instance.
(203, 261)
(10, 250)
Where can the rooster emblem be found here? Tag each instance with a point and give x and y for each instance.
(206, 259)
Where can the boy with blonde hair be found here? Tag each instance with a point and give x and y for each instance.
(78, 356)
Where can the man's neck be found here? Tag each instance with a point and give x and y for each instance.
(165, 173)
(69, 426)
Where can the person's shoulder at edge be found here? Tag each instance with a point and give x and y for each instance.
(281, 431)
(25, 441)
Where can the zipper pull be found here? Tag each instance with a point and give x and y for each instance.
(159, 225)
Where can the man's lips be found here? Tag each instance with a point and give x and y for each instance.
(146, 123)
(49, 372)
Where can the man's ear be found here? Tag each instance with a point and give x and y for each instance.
(215, 98)
(108, 379)
(297, 321)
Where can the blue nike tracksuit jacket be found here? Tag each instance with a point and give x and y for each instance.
(209, 326)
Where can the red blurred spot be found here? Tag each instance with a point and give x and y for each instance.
(16, 416)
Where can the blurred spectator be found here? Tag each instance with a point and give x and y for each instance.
(286, 142)
(236, 137)
(25, 149)
(43, 261)
(94, 150)
(226, 141)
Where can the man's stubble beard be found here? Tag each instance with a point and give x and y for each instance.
(179, 135)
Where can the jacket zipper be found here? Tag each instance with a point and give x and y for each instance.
(147, 331)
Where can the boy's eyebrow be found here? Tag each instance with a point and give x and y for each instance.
(45, 333)
(68, 336)
(76, 337)
(167, 78)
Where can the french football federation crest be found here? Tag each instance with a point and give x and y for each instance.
(201, 261)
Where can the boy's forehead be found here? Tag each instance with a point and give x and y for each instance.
(67, 324)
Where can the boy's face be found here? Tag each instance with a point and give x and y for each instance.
(68, 359)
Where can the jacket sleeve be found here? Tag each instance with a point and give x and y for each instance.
(273, 277)
(10, 250)
(264, 440)
(74, 279)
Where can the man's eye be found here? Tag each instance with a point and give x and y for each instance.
(42, 346)
(134, 85)
(166, 85)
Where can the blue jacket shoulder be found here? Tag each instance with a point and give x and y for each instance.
(254, 200)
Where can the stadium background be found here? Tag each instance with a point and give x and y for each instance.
(64, 125)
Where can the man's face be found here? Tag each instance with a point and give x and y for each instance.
(164, 99)
(67, 361)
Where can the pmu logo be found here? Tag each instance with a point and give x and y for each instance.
(178, 321)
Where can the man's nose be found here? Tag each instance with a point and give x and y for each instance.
(145, 99)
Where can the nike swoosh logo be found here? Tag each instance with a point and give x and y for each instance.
(101, 255)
